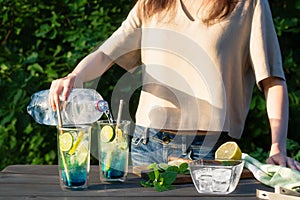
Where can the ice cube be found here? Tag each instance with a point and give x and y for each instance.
(221, 179)
(205, 183)
(203, 177)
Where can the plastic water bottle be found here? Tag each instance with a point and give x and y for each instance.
(83, 106)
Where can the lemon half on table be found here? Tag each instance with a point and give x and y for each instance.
(230, 151)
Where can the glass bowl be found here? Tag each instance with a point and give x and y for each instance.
(216, 176)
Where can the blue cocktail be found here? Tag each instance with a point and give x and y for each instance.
(113, 150)
(74, 156)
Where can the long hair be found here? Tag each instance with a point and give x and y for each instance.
(218, 9)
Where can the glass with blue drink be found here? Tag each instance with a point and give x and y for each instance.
(113, 149)
(73, 144)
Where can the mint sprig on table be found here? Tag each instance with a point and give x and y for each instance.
(162, 176)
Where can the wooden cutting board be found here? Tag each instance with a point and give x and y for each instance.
(143, 172)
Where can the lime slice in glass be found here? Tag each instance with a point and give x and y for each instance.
(107, 134)
(65, 141)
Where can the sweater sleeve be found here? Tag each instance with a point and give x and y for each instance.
(264, 46)
(124, 45)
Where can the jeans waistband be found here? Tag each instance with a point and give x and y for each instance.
(146, 132)
(189, 132)
(185, 142)
(193, 138)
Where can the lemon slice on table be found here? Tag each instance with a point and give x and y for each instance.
(229, 150)
(65, 141)
(107, 134)
(162, 166)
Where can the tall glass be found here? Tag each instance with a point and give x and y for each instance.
(113, 149)
(73, 144)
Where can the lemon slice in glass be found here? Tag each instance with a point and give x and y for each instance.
(107, 161)
(107, 134)
(229, 150)
(82, 154)
(76, 143)
(119, 133)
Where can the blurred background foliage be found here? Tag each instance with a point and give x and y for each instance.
(41, 40)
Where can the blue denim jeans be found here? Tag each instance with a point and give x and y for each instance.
(150, 145)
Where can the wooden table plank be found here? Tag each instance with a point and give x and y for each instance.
(42, 182)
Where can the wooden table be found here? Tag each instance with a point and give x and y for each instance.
(42, 182)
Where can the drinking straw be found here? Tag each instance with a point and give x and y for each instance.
(61, 153)
(120, 111)
(119, 115)
(59, 118)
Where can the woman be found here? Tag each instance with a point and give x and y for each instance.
(200, 60)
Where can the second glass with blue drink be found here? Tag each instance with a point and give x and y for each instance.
(113, 149)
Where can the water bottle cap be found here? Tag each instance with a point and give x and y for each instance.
(102, 106)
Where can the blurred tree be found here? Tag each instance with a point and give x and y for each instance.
(43, 40)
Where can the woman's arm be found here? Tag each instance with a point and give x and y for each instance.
(276, 95)
(122, 48)
(91, 67)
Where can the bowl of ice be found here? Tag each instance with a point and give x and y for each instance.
(216, 176)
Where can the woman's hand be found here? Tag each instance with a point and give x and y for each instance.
(283, 160)
(89, 68)
(62, 86)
